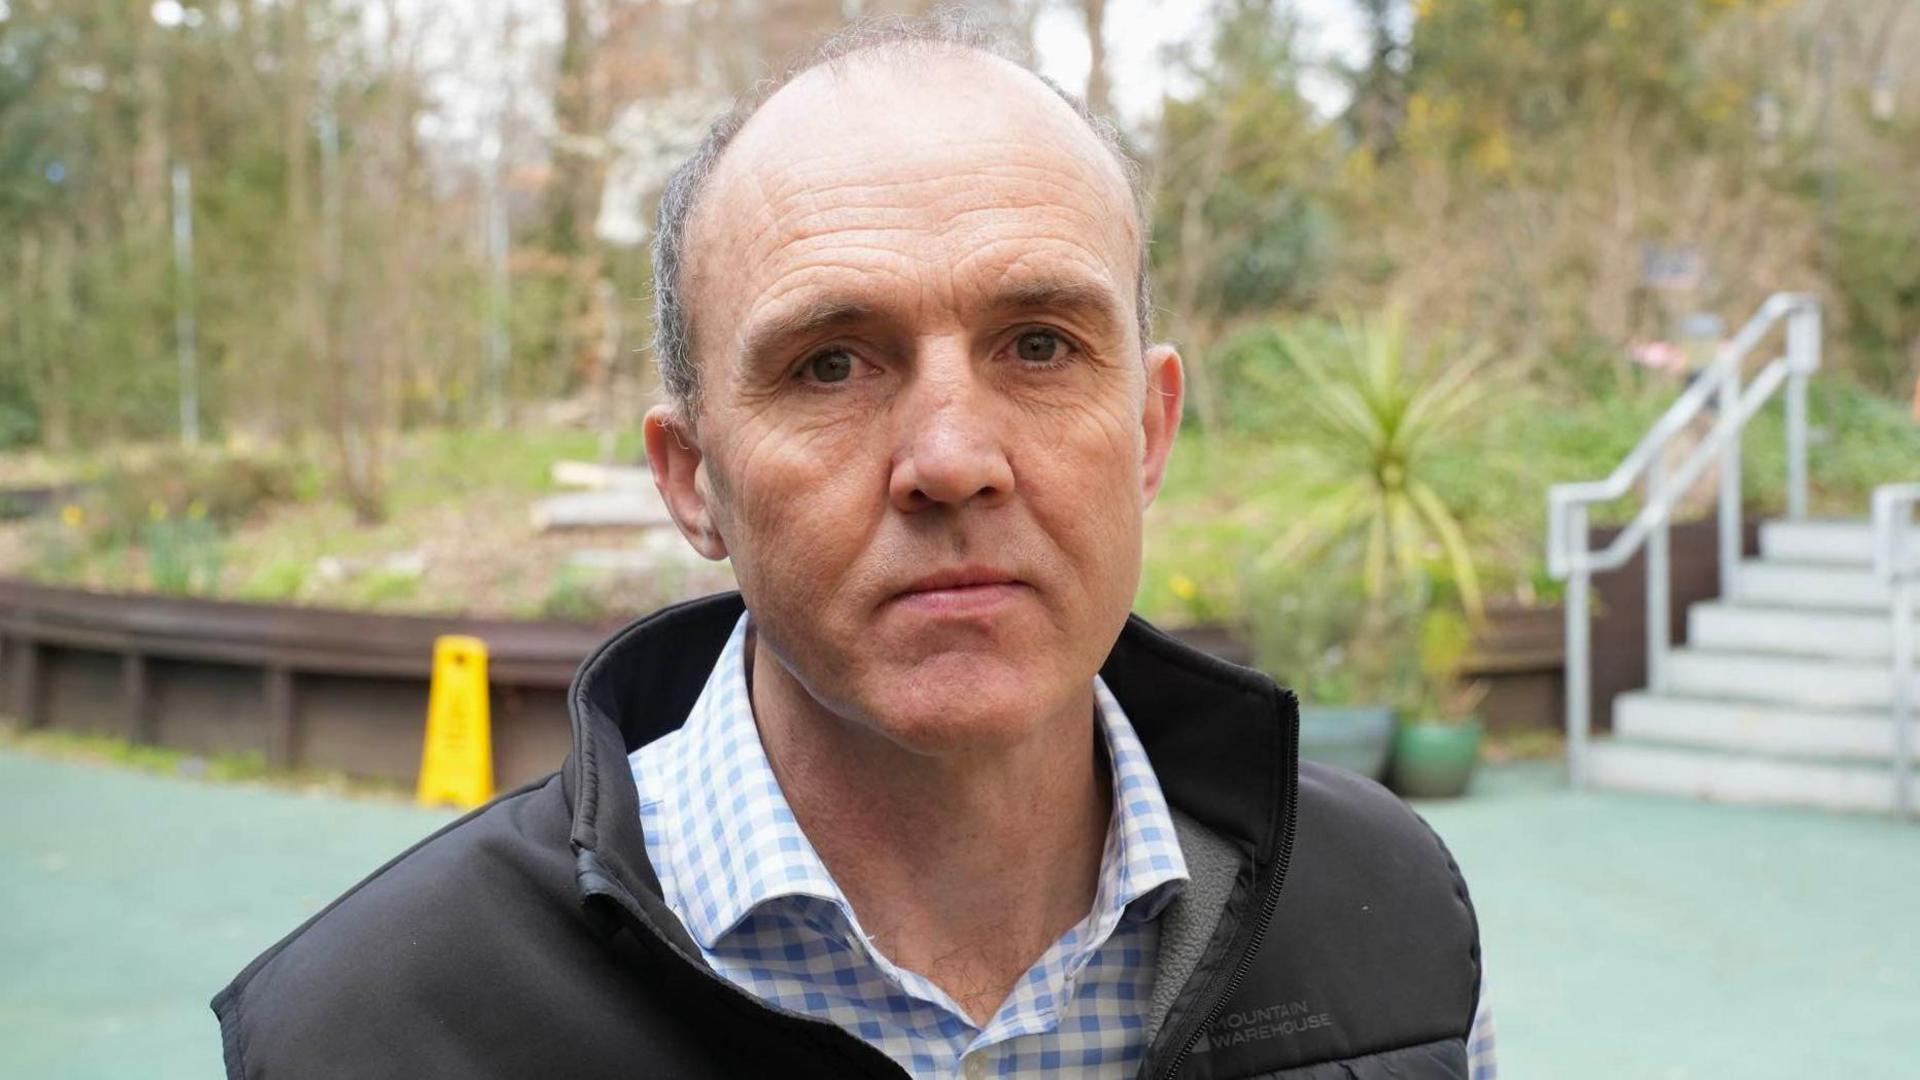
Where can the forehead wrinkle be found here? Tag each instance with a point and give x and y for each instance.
(838, 257)
(808, 227)
(1090, 238)
(1080, 193)
(795, 188)
(782, 220)
(845, 283)
(1048, 264)
(1083, 230)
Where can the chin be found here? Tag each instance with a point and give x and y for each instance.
(965, 702)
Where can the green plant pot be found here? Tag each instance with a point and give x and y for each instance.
(1433, 760)
(1358, 738)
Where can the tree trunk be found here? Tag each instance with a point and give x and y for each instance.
(308, 347)
(569, 217)
(57, 348)
(1196, 254)
(1099, 94)
(149, 110)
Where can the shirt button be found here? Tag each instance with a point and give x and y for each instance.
(976, 1067)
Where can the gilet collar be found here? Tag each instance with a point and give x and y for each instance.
(1220, 737)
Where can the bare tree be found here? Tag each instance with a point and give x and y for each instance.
(1099, 95)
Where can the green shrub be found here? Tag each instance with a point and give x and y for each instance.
(183, 554)
(222, 490)
(1314, 628)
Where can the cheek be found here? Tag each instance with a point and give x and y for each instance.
(1083, 484)
(800, 508)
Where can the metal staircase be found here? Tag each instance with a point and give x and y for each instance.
(1790, 688)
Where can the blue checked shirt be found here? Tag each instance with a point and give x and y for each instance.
(743, 878)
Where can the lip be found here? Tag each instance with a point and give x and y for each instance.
(961, 590)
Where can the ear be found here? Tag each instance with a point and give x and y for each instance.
(1160, 415)
(673, 453)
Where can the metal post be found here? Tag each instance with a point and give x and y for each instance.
(183, 318)
(1731, 538)
(607, 299)
(1803, 359)
(1893, 514)
(1659, 586)
(1823, 60)
(499, 300)
(1578, 649)
(1902, 686)
(1796, 446)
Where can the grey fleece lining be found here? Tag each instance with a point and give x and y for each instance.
(1188, 922)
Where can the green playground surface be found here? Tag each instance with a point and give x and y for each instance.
(1626, 936)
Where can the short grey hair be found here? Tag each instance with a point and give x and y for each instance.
(949, 30)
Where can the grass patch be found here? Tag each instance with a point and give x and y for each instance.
(113, 752)
(434, 465)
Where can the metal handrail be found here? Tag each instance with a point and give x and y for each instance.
(1570, 556)
(1894, 563)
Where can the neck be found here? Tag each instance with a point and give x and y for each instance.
(962, 867)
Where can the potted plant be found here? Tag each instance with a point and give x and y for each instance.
(1375, 411)
(1437, 746)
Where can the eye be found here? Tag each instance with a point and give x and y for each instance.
(831, 366)
(1039, 347)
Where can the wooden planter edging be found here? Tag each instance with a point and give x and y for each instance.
(307, 687)
(346, 691)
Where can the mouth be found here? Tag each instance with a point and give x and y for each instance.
(961, 590)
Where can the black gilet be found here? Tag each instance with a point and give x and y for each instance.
(528, 939)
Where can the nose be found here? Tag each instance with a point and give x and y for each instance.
(950, 451)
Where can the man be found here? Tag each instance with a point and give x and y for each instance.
(921, 798)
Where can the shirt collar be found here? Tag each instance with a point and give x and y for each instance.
(735, 845)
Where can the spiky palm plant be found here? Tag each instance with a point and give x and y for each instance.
(1376, 410)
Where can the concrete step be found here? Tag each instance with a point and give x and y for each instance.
(1783, 680)
(1625, 765)
(1755, 727)
(1790, 584)
(1849, 635)
(1837, 541)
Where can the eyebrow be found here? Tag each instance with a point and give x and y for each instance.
(1083, 298)
(763, 341)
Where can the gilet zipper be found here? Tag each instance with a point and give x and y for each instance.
(1269, 903)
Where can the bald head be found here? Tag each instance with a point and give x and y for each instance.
(916, 101)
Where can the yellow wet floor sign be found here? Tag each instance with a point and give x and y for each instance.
(456, 765)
